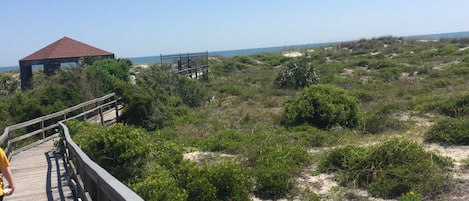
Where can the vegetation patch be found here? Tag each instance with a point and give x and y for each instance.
(456, 106)
(122, 150)
(274, 169)
(323, 106)
(389, 169)
(238, 110)
(297, 74)
(450, 131)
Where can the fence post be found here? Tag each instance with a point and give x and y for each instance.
(42, 128)
(161, 60)
(101, 115)
(116, 105)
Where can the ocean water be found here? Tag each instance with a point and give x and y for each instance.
(242, 52)
(232, 53)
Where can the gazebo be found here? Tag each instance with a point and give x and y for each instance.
(65, 50)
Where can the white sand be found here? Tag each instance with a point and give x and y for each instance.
(292, 54)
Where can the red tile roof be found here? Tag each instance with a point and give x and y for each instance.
(66, 48)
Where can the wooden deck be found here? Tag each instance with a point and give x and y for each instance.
(39, 174)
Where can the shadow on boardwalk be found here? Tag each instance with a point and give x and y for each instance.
(39, 174)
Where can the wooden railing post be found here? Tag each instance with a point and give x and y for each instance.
(101, 115)
(116, 105)
(43, 131)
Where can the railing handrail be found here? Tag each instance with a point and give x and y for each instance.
(7, 129)
(113, 187)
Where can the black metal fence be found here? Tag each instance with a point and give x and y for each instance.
(192, 65)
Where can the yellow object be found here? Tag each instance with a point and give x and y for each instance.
(4, 163)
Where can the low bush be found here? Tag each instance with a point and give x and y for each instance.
(230, 65)
(297, 74)
(274, 182)
(228, 141)
(323, 106)
(391, 168)
(159, 185)
(450, 131)
(274, 169)
(310, 136)
(230, 180)
(224, 180)
(379, 122)
(194, 180)
(122, 150)
(455, 106)
(411, 196)
(148, 108)
(342, 159)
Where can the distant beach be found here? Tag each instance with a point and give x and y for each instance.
(250, 51)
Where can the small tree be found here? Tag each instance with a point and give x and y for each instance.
(323, 106)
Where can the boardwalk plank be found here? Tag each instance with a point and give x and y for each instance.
(36, 177)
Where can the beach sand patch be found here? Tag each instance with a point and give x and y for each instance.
(292, 54)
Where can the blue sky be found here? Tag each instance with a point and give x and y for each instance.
(147, 28)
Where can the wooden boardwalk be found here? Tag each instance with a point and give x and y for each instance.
(39, 174)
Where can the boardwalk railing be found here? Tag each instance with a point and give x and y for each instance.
(89, 181)
(192, 65)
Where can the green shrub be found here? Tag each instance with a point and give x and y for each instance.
(236, 63)
(230, 180)
(168, 154)
(192, 92)
(148, 108)
(411, 196)
(380, 122)
(8, 85)
(390, 168)
(43, 101)
(450, 131)
(448, 49)
(194, 180)
(323, 106)
(297, 74)
(274, 182)
(275, 167)
(104, 74)
(310, 136)
(159, 185)
(228, 141)
(122, 150)
(342, 159)
(456, 106)
(271, 59)
(224, 180)
(231, 90)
